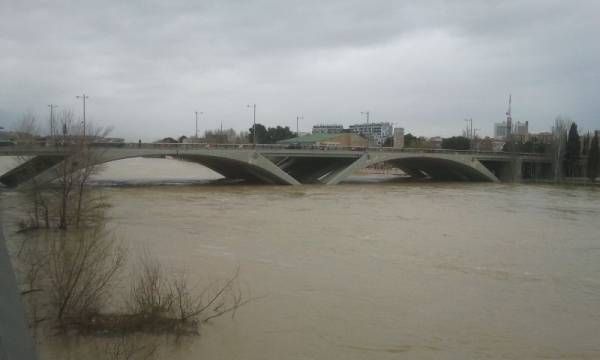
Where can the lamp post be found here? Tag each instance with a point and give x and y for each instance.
(83, 97)
(253, 106)
(298, 118)
(52, 107)
(196, 115)
(367, 113)
(469, 128)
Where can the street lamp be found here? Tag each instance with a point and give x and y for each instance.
(367, 113)
(196, 114)
(253, 106)
(52, 107)
(469, 128)
(83, 97)
(297, 127)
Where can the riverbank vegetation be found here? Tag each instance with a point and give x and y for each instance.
(74, 269)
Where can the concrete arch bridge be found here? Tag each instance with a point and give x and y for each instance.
(275, 164)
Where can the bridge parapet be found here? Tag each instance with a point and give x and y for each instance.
(44, 148)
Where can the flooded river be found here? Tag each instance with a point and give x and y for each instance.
(374, 270)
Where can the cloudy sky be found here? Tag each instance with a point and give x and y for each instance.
(423, 65)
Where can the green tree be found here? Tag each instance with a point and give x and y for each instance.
(593, 163)
(456, 143)
(261, 134)
(410, 140)
(275, 134)
(572, 150)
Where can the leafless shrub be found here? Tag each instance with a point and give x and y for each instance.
(82, 267)
(151, 293)
(169, 303)
(213, 301)
(128, 348)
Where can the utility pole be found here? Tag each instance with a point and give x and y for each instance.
(367, 113)
(196, 115)
(509, 118)
(83, 97)
(298, 118)
(52, 107)
(469, 128)
(254, 136)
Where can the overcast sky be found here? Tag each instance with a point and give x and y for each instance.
(422, 65)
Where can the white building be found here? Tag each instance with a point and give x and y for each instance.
(377, 133)
(519, 128)
(398, 138)
(500, 130)
(327, 129)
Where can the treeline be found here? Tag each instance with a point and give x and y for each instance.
(270, 135)
(265, 135)
(578, 148)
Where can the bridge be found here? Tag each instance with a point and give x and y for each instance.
(276, 164)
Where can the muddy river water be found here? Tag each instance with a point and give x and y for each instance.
(370, 270)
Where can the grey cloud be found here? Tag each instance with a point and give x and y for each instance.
(424, 65)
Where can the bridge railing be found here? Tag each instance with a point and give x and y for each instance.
(48, 147)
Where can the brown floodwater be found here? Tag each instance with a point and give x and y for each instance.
(371, 270)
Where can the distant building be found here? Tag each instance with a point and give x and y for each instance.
(167, 140)
(377, 133)
(342, 139)
(108, 140)
(489, 144)
(398, 138)
(327, 129)
(519, 129)
(500, 130)
(542, 138)
(436, 142)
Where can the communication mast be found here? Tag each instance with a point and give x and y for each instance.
(509, 117)
(510, 141)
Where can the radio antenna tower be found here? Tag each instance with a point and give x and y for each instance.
(509, 115)
(510, 141)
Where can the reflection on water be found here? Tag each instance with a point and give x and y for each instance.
(381, 271)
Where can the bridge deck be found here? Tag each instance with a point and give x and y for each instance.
(278, 164)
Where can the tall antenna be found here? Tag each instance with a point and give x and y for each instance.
(52, 107)
(367, 113)
(298, 118)
(509, 115)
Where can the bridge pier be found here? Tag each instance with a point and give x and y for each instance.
(336, 177)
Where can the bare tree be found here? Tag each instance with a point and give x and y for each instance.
(27, 128)
(81, 161)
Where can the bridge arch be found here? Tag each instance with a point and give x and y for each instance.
(250, 166)
(437, 166)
